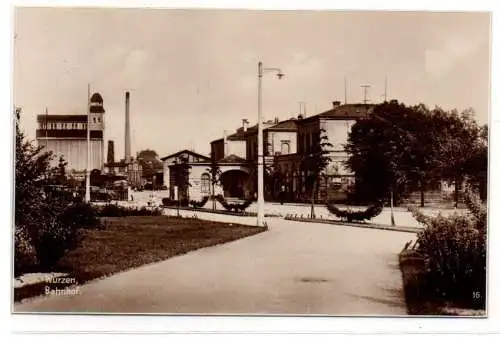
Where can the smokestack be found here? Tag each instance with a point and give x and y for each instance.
(127, 127)
(111, 151)
(336, 104)
(245, 125)
(225, 142)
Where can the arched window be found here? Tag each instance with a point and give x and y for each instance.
(205, 183)
(285, 147)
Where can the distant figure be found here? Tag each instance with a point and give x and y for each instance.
(282, 194)
(131, 197)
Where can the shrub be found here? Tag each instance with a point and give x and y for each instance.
(83, 215)
(170, 202)
(350, 216)
(454, 250)
(236, 207)
(199, 204)
(111, 210)
(57, 234)
(25, 254)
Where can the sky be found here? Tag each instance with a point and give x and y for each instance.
(193, 73)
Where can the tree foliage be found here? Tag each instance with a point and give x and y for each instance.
(406, 148)
(148, 159)
(314, 163)
(215, 177)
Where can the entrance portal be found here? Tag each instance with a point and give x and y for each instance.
(234, 184)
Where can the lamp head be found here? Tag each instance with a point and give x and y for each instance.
(280, 75)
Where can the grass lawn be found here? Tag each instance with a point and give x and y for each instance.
(129, 242)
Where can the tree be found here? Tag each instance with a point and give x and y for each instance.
(397, 149)
(148, 159)
(315, 162)
(41, 233)
(215, 175)
(377, 147)
(464, 150)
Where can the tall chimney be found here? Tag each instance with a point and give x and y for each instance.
(127, 127)
(111, 151)
(245, 125)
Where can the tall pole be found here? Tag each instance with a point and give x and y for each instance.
(87, 180)
(46, 127)
(365, 90)
(385, 89)
(260, 153)
(345, 90)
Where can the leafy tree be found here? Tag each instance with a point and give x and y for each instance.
(398, 149)
(463, 150)
(377, 148)
(148, 159)
(215, 175)
(315, 162)
(41, 233)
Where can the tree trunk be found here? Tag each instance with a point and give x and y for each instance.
(457, 190)
(422, 193)
(312, 199)
(213, 196)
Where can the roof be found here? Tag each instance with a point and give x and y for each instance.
(232, 158)
(185, 151)
(287, 125)
(345, 111)
(96, 98)
(61, 118)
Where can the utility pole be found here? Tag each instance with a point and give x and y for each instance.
(385, 89)
(365, 90)
(87, 180)
(345, 90)
(46, 127)
(260, 142)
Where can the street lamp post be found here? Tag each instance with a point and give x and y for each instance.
(260, 143)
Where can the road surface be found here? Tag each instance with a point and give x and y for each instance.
(294, 268)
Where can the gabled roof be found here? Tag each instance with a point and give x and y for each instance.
(232, 158)
(187, 152)
(345, 111)
(287, 125)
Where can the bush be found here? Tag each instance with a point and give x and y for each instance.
(83, 215)
(57, 233)
(170, 202)
(351, 216)
(199, 204)
(25, 254)
(454, 249)
(112, 211)
(236, 207)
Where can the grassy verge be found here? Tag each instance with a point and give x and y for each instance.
(130, 242)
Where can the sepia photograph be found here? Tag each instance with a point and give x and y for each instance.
(175, 161)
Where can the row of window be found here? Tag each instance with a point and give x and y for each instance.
(284, 149)
(69, 126)
(66, 126)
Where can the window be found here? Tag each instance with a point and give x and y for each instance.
(285, 147)
(94, 120)
(205, 183)
(99, 119)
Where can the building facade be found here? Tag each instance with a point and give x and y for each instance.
(66, 136)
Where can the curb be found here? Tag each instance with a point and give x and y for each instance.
(220, 211)
(359, 225)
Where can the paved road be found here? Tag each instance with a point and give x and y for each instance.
(294, 268)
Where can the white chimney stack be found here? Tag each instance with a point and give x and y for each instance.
(127, 127)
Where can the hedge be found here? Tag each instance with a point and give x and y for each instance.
(350, 216)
